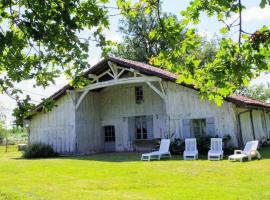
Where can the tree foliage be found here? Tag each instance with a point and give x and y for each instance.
(236, 62)
(259, 92)
(39, 39)
(137, 43)
(140, 44)
(23, 110)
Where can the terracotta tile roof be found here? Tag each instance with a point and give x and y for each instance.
(243, 100)
(142, 67)
(151, 70)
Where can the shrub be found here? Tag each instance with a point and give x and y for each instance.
(177, 146)
(228, 150)
(203, 144)
(264, 142)
(39, 150)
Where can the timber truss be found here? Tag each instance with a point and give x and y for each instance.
(116, 73)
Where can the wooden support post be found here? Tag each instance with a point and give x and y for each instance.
(252, 124)
(240, 138)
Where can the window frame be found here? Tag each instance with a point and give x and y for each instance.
(139, 94)
(143, 132)
(202, 131)
(109, 133)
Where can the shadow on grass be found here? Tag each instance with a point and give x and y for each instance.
(132, 157)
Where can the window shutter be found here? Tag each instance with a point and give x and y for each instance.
(186, 128)
(149, 124)
(131, 128)
(210, 126)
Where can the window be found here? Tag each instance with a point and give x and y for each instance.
(109, 133)
(139, 94)
(141, 127)
(198, 127)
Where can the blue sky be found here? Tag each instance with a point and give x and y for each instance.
(253, 18)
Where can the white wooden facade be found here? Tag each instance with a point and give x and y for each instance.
(77, 124)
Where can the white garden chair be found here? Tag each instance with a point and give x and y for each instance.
(250, 151)
(162, 152)
(216, 151)
(191, 151)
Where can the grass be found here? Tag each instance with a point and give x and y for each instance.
(123, 176)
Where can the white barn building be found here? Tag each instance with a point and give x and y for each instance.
(129, 104)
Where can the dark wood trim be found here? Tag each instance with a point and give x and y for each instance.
(238, 116)
(240, 138)
(252, 124)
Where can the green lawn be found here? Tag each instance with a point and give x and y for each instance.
(123, 176)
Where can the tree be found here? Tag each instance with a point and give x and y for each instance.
(39, 39)
(137, 43)
(235, 63)
(140, 46)
(260, 92)
(23, 110)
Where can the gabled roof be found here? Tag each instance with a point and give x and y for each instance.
(154, 71)
(246, 101)
(139, 66)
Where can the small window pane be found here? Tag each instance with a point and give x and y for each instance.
(141, 127)
(139, 94)
(198, 127)
(109, 134)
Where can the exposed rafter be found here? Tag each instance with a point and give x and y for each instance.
(160, 93)
(116, 73)
(121, 81)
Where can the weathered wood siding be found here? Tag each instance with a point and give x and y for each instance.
(88, 129)
(81, 130)
(183, 103)
(261, 124)
(118, 104)
(56, 128)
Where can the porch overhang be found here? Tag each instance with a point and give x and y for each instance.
(115, 72)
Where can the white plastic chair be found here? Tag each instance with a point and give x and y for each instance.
(216, 151)
(249, 152)
(162, 152)
(191, 151)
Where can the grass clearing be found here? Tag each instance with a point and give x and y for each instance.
(124, 176)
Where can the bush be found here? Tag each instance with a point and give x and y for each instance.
(177, 146)
(203, 144)
(228, 150)
(39, 150)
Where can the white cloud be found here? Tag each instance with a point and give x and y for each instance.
(206, 33)
(264, 78)
(112, 35)
(252, 14)
(93, 61)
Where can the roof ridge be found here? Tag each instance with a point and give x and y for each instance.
(149, 69)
